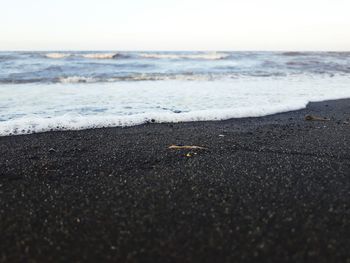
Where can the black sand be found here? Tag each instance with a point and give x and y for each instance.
(272, 189)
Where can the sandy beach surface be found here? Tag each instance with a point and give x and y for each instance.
(271, 189)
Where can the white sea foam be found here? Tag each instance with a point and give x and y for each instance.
(181, 77)
(72, 107)
(77, 79)
(57, 55)
(34, 124)
(205, 56)
(143, 77)
(83, 55)
(100, 55)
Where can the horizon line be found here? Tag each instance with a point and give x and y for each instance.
(174, 50)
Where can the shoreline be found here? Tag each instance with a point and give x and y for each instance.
(268, 100)
(264, 189)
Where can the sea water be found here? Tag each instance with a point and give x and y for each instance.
(43, 91)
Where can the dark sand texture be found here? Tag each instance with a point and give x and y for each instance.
(271, 189)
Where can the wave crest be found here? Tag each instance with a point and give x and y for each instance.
(206, 56)
(86, 55)
(141, 77)
(101, 55)
(77, 79)
(57, 55)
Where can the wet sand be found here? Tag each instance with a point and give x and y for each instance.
(271, 189)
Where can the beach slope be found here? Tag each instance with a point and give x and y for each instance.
(270, 189)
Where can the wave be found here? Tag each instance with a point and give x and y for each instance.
(125, 104)
(24, 81)
(86, 55)
(141, 77)
(34, 124)
(304, 63)
(168, 77)
(57, 55)
(77, 79)
(101, 55)
(320, 67)
(7, 57)
(294, 54)
(206, 56)
(136, 77)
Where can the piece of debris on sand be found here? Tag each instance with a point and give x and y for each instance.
(186, 147)
(315, 118)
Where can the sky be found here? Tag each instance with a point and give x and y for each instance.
(175, 25)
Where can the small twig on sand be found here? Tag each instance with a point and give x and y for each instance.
(315, 118)
(188, 147)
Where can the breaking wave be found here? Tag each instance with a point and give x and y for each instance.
(206, 56)
(75, 107)
(57, 55)
(85, 55)
(77, 79)
(101, 56)
(33, 124)
(142, 77)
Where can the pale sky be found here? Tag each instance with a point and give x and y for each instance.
(175, 25)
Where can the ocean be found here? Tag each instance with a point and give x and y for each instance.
(44, 91)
